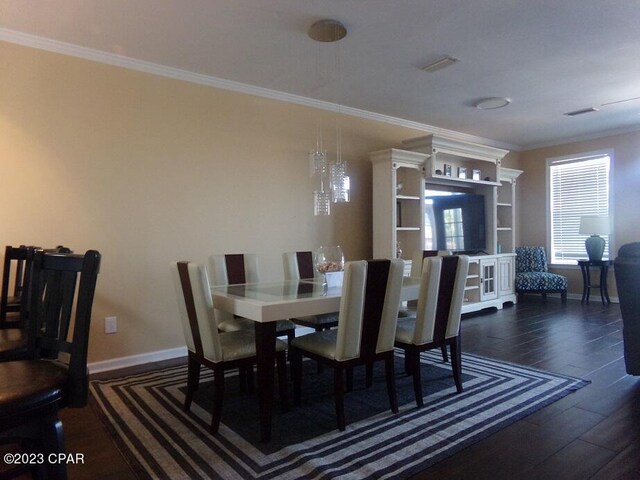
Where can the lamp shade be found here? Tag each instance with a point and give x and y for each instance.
(594, 225)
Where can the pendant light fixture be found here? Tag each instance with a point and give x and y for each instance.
(334, 182)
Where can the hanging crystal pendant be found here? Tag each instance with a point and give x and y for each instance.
(339, 182)
(321, 203)
(318, 163)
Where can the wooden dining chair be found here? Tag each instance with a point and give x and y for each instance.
(236, 269)
(437, 320)
(365, 333)
(11, 295)
(55, 376)
(300, 265)
(14, 334)
(219, 351)
(417, 261)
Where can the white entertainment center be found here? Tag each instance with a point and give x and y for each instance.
(400, 177)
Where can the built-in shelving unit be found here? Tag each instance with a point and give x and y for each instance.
(506, 210)
(398, 209)
(399, 181)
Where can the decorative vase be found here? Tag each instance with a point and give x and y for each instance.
(595, 247)
(329, 259)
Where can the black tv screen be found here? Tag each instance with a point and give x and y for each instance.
(455, 223)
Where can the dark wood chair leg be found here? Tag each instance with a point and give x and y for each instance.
(338, 387)
(407, 363)
(193, 380)
(349, 379)
(544, 296)
(281, 360)
(456, 362)
(218, 395)
(53, 442)
(295, 358)
(563, 296)
(250, 384)
(391, 382)
(445, 357)
(319, 329)
(416, 372)
(369, 375)
(242, 378)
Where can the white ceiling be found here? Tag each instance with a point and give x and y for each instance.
(548, 56)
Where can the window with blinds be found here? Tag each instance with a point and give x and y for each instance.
(577, 187)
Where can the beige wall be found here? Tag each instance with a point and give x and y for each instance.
(626, 194)
(149, 170)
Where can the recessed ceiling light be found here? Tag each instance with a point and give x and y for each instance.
(582, 111)
(327, 30)
(439, 64)
(492, 103)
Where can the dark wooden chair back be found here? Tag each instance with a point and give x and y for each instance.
(14, 259)
(61, 303)
(374, 297)
(445, 296)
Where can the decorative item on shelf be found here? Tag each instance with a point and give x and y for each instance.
(487, 179)
(594, 225)
(438, 172)
(447, 170)
(476, 175)
(334, 174)
(398, 214)
(462, 172)
(399, 188)
(330, 263)
(398, 250)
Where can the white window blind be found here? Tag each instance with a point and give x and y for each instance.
(577, 187)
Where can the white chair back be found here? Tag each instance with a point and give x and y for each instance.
(418, 259)
(195, 306)
(352, 309)
(219, 273)
(290, 262)
(429, 312)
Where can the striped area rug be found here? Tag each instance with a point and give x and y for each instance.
(144, 414)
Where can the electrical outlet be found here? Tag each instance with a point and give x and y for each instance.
(110, 325)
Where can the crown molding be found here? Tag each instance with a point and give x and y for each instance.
(56, 46)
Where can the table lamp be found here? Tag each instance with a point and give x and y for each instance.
(594, 225)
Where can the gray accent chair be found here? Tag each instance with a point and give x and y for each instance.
(627, 272)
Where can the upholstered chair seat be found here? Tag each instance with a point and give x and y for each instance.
(533, 276)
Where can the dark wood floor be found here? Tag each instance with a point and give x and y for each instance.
(591, 434)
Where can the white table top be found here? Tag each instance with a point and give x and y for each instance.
(268, 302)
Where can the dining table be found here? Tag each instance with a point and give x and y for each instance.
(266, 303)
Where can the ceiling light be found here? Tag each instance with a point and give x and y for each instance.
(327, 31)
(492, 103)
(582, 111)
(439, 64)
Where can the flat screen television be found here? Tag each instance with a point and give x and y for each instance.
(455, 222)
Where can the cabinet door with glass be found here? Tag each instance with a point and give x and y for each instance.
(488, 278)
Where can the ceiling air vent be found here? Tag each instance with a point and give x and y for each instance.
(440, 64)
(581, 112)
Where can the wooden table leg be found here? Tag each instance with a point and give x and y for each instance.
(265, 353)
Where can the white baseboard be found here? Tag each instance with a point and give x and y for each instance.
(133, 360)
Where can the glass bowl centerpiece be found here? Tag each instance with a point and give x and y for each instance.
(329, 262)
